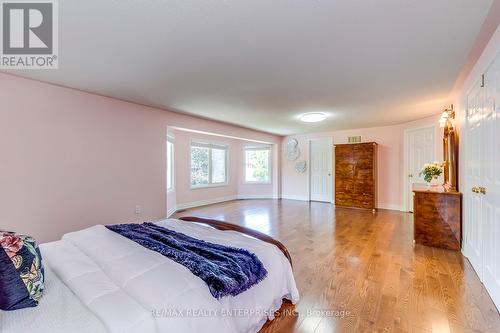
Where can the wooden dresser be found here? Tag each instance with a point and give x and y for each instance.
(437, 215)
(356, 175)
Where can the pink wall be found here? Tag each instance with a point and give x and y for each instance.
(390, 160)
(71, 159)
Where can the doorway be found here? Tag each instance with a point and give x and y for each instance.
(420, 148)
(320, 170)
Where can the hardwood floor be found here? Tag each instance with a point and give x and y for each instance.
(367, 266)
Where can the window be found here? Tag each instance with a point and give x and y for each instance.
(208, 164)
(170, 165)
(258, 165)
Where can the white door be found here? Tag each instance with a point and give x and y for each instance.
(490, 187)
(420, 149)
(473, 201)
(482, 206)
(321, 170)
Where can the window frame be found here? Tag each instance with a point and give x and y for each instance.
(170, 140)
(269, 163)
(210, 146)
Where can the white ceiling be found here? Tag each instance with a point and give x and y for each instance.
(261, 63)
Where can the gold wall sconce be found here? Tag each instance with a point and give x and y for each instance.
(446, 117)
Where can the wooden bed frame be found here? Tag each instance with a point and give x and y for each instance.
(221, 225)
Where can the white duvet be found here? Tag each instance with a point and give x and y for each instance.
(132, 289)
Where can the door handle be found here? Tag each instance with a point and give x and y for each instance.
(482, 190)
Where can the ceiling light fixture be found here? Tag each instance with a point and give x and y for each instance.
(313, 117)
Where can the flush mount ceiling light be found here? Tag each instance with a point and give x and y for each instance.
(313, 117)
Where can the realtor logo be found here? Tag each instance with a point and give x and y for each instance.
(29, 34)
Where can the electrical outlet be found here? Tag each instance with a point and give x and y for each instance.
(138, 209)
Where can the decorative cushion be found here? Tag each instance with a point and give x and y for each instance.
(21, 272)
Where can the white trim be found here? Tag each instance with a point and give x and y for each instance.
(197, 187)
(172, 166)
(171, 212)
(295, 197)
(221, 135)
(258, 183)
(193, 204)
(390, 207)
(309, 173)
(405, 160)
(256, 196)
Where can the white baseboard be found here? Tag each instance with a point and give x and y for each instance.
(256, 196)
(295, 197)
(390, 207)
(171, 211)
(194, 204)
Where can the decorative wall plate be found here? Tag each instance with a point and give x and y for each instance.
(292, 151)
(301, 166)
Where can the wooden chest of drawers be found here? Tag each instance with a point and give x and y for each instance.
(437, 217)
(355, 175)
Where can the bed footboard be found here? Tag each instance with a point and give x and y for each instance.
(221, 225)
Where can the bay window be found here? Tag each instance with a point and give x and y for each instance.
(208, 164)
(258, 165)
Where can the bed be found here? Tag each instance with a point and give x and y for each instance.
(98, 281)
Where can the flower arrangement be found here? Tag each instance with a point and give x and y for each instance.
(432, 171)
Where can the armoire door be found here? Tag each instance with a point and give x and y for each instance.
(344, 172)
(363, 177)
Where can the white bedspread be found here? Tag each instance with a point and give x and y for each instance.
(59, 311)
(130, 288)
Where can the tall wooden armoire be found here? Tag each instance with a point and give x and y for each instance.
(356, 175)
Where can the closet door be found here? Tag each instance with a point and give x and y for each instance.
(473, 201)
(482, 205)
(490, 187)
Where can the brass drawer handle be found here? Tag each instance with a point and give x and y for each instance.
(482, 190)
(475, 189)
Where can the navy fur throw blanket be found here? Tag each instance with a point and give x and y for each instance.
(226, 270)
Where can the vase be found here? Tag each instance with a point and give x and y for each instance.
(434, 182)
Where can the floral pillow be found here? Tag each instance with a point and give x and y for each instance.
(21, 272)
